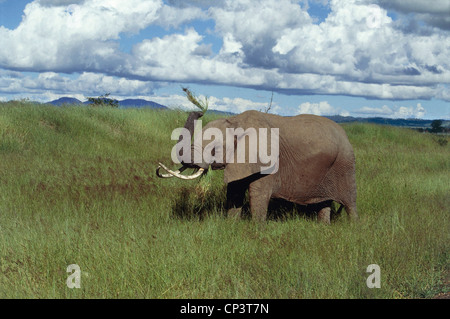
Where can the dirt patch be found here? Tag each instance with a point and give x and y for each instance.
(47, 124)
(101, 179)
(133, 187)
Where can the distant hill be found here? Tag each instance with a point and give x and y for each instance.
(65, 100)
(127, 103)
(140, 103)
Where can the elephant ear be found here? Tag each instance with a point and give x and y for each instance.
(246, 128)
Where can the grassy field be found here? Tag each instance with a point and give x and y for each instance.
(78, 186)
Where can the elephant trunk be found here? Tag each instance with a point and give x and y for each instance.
(190, 126)
(193, 116)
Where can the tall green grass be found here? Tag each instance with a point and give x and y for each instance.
(78, 186)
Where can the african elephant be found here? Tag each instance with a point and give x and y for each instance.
(315, 163)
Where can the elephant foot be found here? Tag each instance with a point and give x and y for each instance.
(259, 217)
(351, 212)
(324, 215)
(353, 216)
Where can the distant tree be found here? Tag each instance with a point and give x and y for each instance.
(267, 109)
(103, 100)
(436, 126)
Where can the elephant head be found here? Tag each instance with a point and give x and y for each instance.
(237, 144)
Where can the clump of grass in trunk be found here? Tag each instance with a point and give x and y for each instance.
(202, 105)
(203, 186)
(200, 200)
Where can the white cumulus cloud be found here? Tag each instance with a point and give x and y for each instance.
(321, 108)
(82, 36)
(394, 112)
(276, 45)
(85, 84)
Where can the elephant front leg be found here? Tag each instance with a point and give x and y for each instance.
(259, 193)
(235, 199)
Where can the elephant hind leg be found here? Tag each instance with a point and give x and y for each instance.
(323, 210)
(351, 211)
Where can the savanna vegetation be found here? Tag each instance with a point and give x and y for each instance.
(78, 186)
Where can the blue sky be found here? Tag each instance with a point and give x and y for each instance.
(326, 57)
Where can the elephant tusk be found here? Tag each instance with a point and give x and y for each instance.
(183, 168)
(177, 173)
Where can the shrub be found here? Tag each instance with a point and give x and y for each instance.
(103, 100)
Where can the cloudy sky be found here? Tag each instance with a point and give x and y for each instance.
(365, 58)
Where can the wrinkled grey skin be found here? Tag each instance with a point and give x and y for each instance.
(316, 165)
